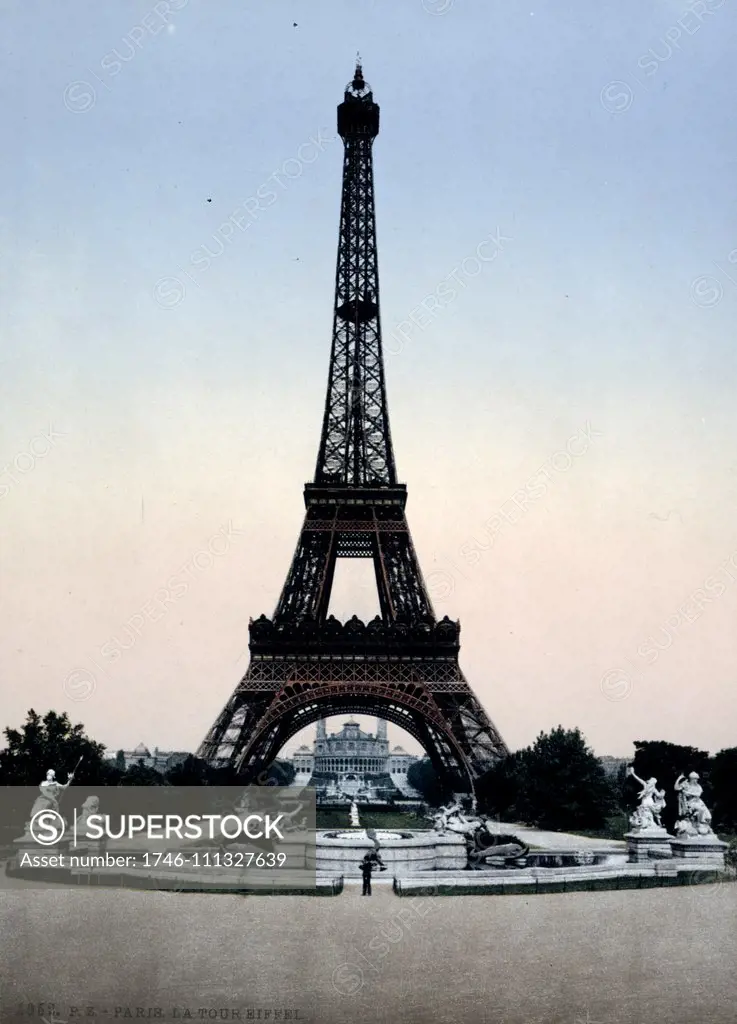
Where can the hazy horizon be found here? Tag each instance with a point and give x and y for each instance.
(565, 424)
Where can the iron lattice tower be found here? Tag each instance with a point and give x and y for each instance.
(403, 665)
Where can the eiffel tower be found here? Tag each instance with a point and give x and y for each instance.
(403, 665)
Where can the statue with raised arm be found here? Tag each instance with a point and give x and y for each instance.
(694, 815)
(51, 792)
(652, 802)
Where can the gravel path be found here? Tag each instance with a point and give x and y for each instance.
(665, 956)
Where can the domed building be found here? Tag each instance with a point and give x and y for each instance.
(351, 751)
(352, 762)
(160, 760)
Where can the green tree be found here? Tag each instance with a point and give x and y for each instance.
(723, 779)
(279, 773)
(433, 789)
(565, 784)
(52, 742)
(195, 772)
(499, 790)
(120, 761)
(557, 783)
(141, 775)
(190, 772)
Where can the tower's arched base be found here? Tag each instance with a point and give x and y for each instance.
(428, 697)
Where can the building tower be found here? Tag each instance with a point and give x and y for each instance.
(403, 665)
(321, 736)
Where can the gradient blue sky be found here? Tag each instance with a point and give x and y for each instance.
(612, 304)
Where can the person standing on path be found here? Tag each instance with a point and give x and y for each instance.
(367, 866)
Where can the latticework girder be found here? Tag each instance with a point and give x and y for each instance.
(402, 666)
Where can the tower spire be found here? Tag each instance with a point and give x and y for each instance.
(355, 507)
(355, 444)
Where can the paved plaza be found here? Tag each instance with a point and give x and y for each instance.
(641, 957)
(535, 837)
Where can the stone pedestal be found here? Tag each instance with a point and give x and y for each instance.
(648, 844)
(27, 844)
(89, 847)
(340, 852)
(34, 861)
(295, 847)
(705, 849)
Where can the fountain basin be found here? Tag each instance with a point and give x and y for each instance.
(575, 858)
(340, 851)
(381, 834)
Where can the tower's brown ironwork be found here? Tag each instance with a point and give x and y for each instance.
(403, 665)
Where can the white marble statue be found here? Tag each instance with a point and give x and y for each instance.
(51, 792)
(694, 815)
(481, 834)
(89, 807)
(652, 802)
(295, 820)
(452, 818)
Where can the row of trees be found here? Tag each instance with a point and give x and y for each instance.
(556, 783)
(52, 741)
(559, 783)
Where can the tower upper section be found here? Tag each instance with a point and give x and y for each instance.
(358, 115)
(355, 445)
